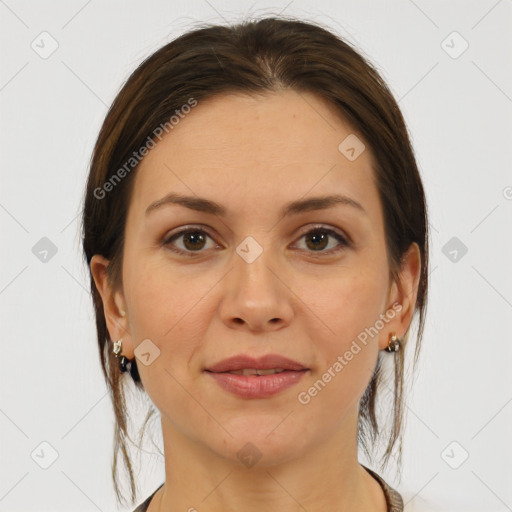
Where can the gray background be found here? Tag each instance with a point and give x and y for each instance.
(458, 108)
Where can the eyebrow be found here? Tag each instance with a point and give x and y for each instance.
(201, 204)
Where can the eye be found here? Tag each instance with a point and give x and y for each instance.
(192, 240)
(317, 239)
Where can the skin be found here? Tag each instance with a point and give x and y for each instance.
(298, 299)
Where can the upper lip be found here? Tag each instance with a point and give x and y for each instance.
(266, 362)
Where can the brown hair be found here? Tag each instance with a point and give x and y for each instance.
(255, 56)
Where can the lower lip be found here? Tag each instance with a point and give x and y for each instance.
(252, 386)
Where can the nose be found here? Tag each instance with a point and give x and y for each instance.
(256, 296)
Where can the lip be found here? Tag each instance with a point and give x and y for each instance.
(266, 362)
(253, 386)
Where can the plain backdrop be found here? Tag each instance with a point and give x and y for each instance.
(62, 62)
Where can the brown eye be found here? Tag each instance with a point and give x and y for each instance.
(319, 238)
(194, 240)
(191, 240)
(316, 240)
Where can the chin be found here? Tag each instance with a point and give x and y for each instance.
(247, 451)
(264, 438)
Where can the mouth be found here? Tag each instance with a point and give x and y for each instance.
(254, 371)
(265, 365)
(248, 377)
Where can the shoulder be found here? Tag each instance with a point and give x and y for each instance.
(394, 500)
(415, 503)
(405, 499)
(145, 504)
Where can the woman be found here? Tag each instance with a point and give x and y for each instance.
(256, 231)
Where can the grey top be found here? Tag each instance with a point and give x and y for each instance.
(393, 498)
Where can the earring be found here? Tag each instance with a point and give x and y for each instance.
(122, 359)
(393, 343)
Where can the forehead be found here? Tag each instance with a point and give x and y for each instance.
(242, 150)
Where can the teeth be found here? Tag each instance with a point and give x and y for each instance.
(252, 371)
(270, 372)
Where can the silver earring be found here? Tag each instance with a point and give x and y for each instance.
(122, 359)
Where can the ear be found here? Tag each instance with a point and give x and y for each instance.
(402, 296)
(114, 306)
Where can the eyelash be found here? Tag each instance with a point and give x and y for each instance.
(315, 229)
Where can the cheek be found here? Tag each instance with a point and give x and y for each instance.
(347, 352)
(172, 309)
(350, 305)
(167, 310)
(160, 296)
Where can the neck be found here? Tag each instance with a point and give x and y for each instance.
(327, 476)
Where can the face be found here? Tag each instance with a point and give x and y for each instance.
(203, 286)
